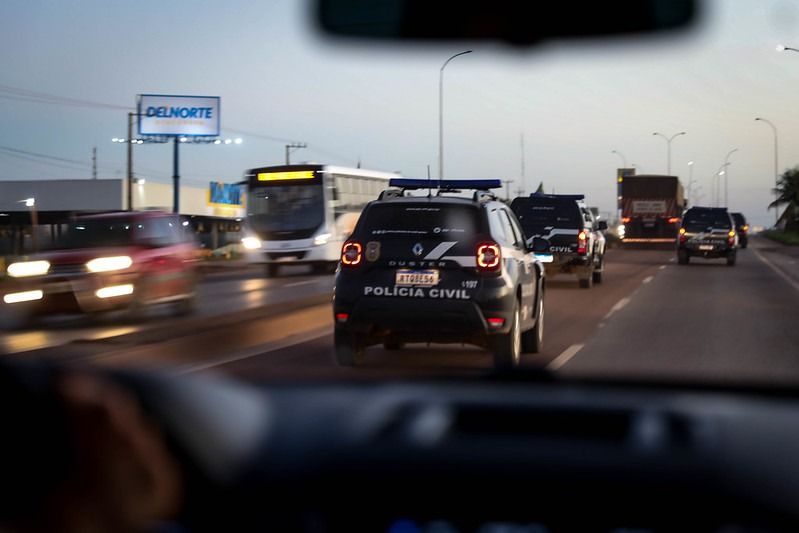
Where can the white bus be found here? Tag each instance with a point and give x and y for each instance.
(302, 214)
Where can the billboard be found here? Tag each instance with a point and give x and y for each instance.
(192, 116)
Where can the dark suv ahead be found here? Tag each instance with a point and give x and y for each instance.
(577, 245)
(439, 267)
(742, 228)
(707, 232)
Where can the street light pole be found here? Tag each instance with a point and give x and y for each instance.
(441, 114)
(668, 149)
(776, 168)
(726, 175)
(623, 159)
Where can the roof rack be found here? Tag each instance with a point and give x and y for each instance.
(480, 186)
(563, 196)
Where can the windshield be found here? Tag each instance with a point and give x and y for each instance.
(97, 234)
(286, 208)
(196, 94)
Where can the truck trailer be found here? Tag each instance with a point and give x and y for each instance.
(651, 210)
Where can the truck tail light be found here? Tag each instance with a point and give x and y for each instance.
(582, 244)
(351, 254)
(673, 220)
(626, 220)
(489, 256)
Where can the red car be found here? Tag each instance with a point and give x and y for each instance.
(123, 260)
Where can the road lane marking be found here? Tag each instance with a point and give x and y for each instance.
(619, 305)
(254, 351)
(776, 269)
(564, 357)
(298, 283)
(648, 279)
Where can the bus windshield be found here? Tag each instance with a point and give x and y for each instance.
(279, 208)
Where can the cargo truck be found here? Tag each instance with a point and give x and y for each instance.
(651, 210)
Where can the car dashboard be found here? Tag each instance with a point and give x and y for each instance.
(494, 455)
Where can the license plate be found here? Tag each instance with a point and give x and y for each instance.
(705, 246)
(417, 277)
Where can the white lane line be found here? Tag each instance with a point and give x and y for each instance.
(776, 269)
(298, 283)
(619, 305)
(647, 279)
(253, 351)
(564, 357)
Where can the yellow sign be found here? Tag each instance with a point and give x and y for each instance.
(282, 176)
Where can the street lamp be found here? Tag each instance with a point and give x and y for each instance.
(776, 168)
(623, 159)
(782, 48)
(726, 197)
(668, 149)
(716, 184)
(31, 203)
(441, 114)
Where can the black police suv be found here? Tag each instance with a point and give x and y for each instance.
(440, 261)
(707, 232)
(577, 245)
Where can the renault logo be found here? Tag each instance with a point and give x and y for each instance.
(417, 249)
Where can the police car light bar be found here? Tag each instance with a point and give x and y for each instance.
(413, 183)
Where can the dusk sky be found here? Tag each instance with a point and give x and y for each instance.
(566, 115)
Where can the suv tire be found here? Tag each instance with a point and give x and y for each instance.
(587, 283)
(533, 339)
(347, 350)
(683, 257)
(507, 347)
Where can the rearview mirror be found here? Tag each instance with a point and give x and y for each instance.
(520, 22)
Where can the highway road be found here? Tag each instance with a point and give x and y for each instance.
(649, 318)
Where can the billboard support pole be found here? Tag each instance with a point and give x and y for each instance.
(176, 179)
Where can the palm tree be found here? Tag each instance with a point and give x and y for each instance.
(787, 191)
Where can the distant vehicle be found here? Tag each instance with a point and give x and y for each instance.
(105, 262)
(441, 268)
(651, 209)
(301, 214)
(742, 228)
(577, 245)
(707, 232)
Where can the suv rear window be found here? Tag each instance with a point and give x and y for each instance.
(536, 214)
(421, 221)
(706, 218)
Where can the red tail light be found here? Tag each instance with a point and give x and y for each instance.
(731, 237)
(682, 234)
(582, 244)
(626, 220)
(673, 220)
(489, 256)
(351, 254)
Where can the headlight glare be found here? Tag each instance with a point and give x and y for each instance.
(108, 264)
(28, 268)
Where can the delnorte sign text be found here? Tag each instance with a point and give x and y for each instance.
(178, 115)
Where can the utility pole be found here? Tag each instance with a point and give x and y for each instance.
(94, 163)
(293, 147)
(507, 188)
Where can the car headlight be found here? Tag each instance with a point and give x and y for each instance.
(251, 243)
(319, 240)
(28, 268)
(108, 264)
